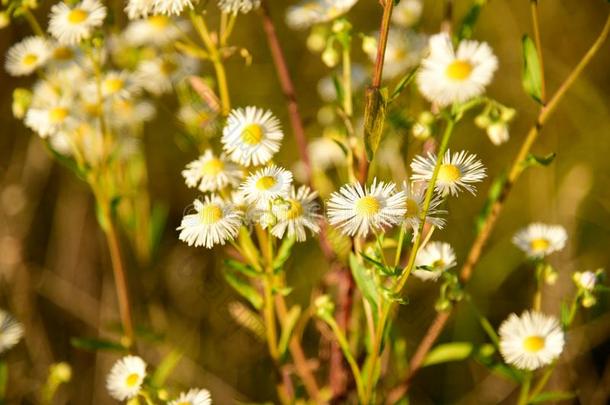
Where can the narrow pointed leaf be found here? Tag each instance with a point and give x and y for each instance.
(244, 288)
(447, 352)
(364, 280)
(552, 396)
(288, 327)
(532, 74)
(374, 117)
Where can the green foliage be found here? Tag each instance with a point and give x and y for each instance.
(532, 72)
(552, 396)
(403, 83)
(243, 288)
(283, 253)
(94, 344)
(533, 160)
(288, 328)
(365, 281)
(3, 380)
(165, 368)
(443, 353)
(374, 118)
(495, 191)
(466, 26)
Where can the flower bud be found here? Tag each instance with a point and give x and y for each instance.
(588, 300)
(324, 306)
(369, 45)
(21, 102)
(316, 41)
(341, 25)
(507, 114)
(498, 133)
(5, 19)
(330, 57)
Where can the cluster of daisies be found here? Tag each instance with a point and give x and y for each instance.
(127, 380)
(11, 331)
(245, 187)
(86, 85)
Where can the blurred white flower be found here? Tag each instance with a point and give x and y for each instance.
(448, 76)
(194, 396)
(27, 55)
(531, 341)
(126, 377)
(238, 6)
(139, 8)
(404, 50)
(310, 12)
(172, 7)
(498, 133)
(407, 13)
(539, 240)
(11, 331)
(157, 30)
(71, 24)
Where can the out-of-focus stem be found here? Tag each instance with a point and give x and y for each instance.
(525, 388)
(27, 13)
(347, 78)
(517, 167)
(287, 85)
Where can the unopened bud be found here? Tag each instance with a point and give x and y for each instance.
(330, 57)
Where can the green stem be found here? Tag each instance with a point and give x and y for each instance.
(537, 305)
(401, 240)
(343, 343)
(525, 388)
(347, 78)
(33, 22)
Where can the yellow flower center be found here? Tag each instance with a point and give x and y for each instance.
(539, 245)
(533, 344)
(185, 403)
(63, 53)
(77, 16)
(158, 21)
(459, 70)
(449, 173)
(58, 115)
(265, 183)
(93, 109)
(30, 59)
(252, 134)
(295, 210)
(168, 67)
(367, 206)
(212, 167)
(438, 263)
(412, 208)
(210, 214)
(114, 84)
(132, 380)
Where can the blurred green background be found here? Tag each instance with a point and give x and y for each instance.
(55, 274)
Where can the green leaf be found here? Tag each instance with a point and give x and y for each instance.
(243, 288)
(165, 368)
(403, 83)
(283, 253)
(375, 106)
(495, 191)
(158, 219)
(242, 268)
(533, 160)
(552, 396)
(454, 351)
(92, 344)
(532, 74)
(338, 88)
(466, 27)
(291, 320)
(364, 280)
(565, 314)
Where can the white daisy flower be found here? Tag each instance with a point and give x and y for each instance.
(130, 113)
(437, 257)
(71, 24)
(448, 76)
(51, 118)
(407, 13)
(310, 12)
(213, 222)
(539, 240)
(194, 396)
(126, 377)
(118, 84)
(531, 341)
(63, 56)
(251, 136)
(211, 173)
(404, 50)
(172, 7)
(26, 56)
(457, 171)
(325, 153)
(139, 8)
(159, 75)
(296, 212)
(358, 210)
(238, 6)
(11, 331)
(415, 194)
(156, 30)
(265, 185)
